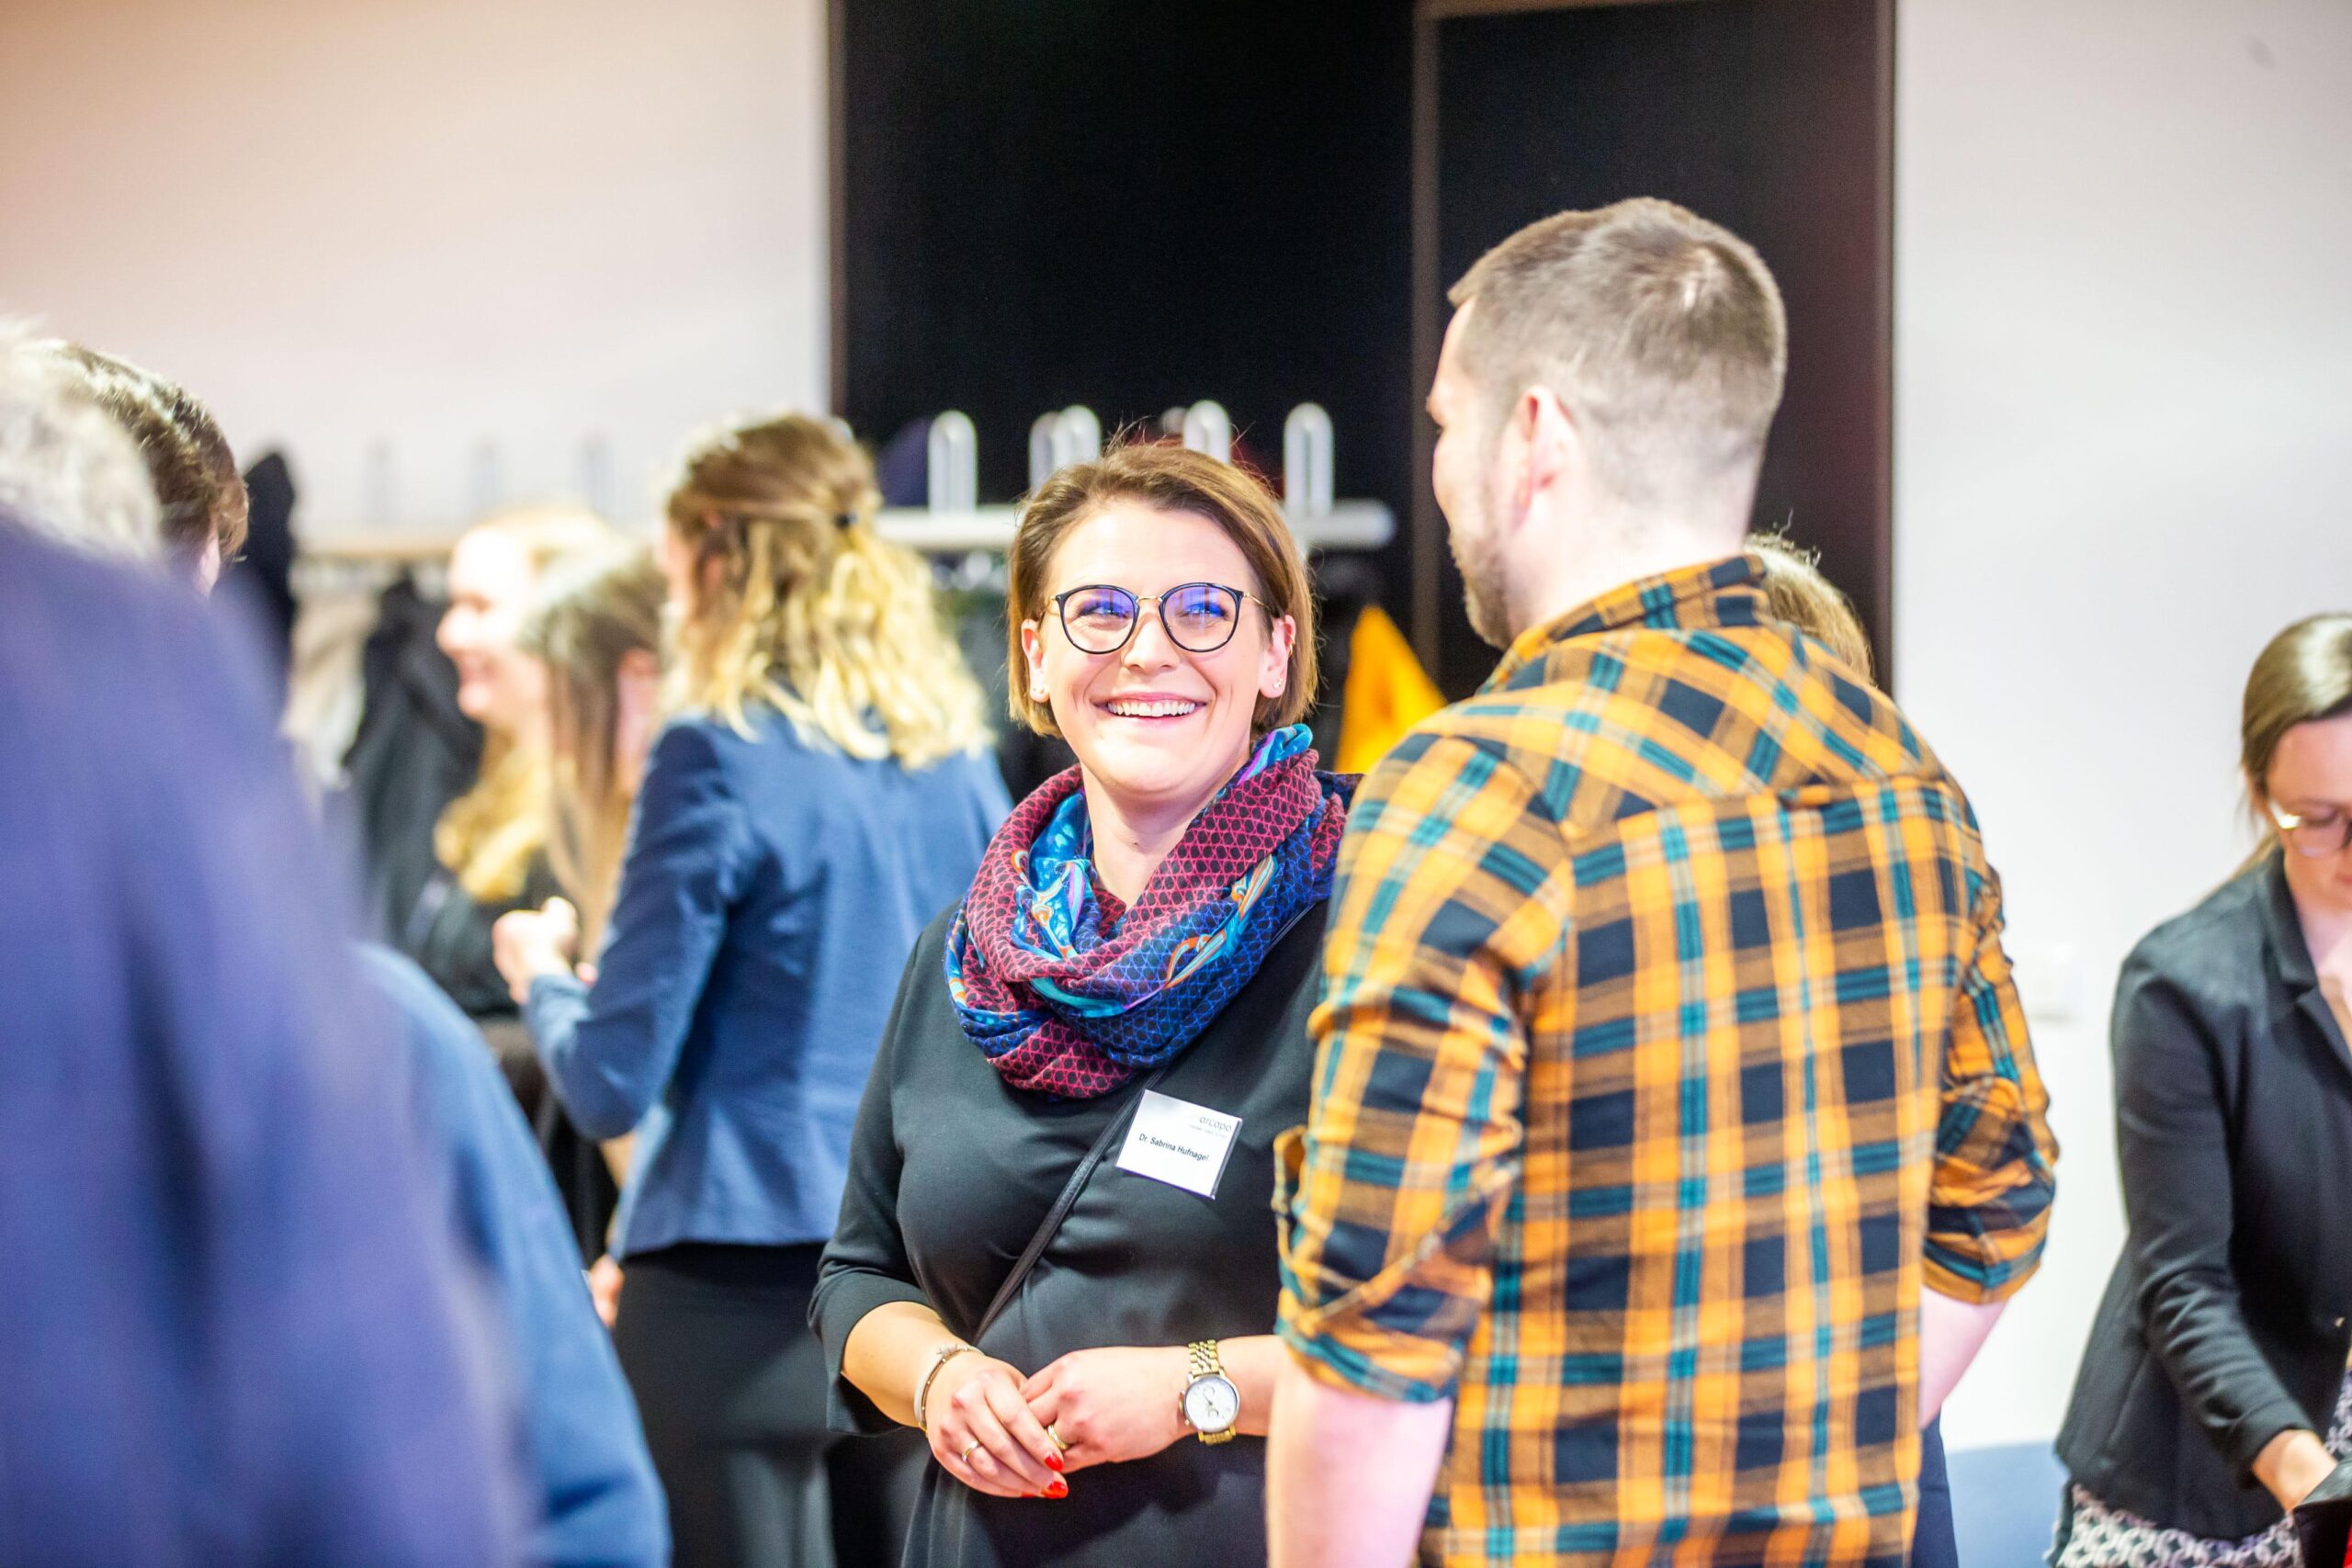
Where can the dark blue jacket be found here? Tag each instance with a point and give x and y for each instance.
(600, 1504)
(234, 1327)
(772, 891)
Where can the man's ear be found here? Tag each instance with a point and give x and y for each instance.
(1556, 447)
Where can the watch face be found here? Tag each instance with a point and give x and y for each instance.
(1211, 1404)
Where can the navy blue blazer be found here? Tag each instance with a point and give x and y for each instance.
(771, 890)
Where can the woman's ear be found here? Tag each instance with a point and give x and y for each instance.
(1033, 653)
(1273, 673)
(636, 709)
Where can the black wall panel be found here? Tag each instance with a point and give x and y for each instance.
(1130, 206)
(1770, 116)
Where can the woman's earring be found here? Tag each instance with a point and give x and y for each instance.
(1037, 693)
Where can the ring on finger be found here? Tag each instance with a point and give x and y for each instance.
(969, 1449)
(1056, 1438)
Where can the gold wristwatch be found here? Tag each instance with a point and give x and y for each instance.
(1209, 1404)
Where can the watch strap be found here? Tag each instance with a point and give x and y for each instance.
(1202, 1360)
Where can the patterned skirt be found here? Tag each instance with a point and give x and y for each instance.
(2104, 1537)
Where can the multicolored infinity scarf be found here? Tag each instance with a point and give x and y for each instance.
(1069, 994)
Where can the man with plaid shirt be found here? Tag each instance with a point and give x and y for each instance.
(1676, 1135)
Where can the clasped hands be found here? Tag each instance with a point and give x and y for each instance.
(995, 1430)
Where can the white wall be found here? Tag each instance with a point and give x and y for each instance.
(2123, 458)
(436, 222)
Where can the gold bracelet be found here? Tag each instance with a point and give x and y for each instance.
(939, 1359)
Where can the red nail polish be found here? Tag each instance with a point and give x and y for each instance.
(1060, 1488)
(1054, 1462)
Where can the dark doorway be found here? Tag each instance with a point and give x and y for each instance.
(1775, 118)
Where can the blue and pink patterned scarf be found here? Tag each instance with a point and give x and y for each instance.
(1069, 994)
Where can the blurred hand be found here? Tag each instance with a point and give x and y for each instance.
(975, 1400)
(2290, 1464)
(605, 1288)
(528, 944)
(1112, 1404)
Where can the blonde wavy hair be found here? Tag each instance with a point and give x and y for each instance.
(489, 836)
(796, 603)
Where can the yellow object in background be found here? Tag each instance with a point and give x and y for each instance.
(1386, 694)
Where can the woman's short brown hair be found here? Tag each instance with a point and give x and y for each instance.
(1173, 479)
(2303, 676)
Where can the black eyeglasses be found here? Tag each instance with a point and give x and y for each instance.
(1199, 617)
(2314, 835)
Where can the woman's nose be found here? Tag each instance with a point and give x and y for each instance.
(1162, 651)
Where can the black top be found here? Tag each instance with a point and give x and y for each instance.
(951, 1173)
(2224, 1323)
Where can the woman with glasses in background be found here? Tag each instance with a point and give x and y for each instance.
(2213, 1396)
(1056, 1251)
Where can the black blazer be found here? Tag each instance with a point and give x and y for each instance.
(2224, 1323)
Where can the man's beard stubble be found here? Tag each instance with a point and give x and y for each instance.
(1477, 555)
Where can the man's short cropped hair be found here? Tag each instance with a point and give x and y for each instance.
(189, 461)
(1662, 332)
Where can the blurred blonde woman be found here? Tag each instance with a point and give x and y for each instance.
(489, 846)
(820, 791)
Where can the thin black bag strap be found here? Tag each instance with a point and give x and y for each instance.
(1062, 1206)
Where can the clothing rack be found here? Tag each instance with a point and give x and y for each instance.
(953, 522)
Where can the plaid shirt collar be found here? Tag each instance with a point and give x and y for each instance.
(1690, 596)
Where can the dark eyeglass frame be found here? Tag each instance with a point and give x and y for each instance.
(2298, 833)
(1136, 602)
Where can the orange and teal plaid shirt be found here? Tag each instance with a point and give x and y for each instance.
(1667, 1050)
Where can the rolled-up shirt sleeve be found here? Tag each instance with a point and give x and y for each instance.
(1989, 1204)
(1450, 905)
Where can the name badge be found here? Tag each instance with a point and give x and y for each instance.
(1180, 1143)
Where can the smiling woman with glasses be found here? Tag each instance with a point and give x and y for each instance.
(2213, 1396)
(1057, 1256)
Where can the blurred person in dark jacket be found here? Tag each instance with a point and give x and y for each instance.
(599, 1503)
(596, 1497)
(235, 1332)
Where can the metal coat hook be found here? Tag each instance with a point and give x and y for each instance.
(487, 481)
(954, 481)
(1208, 428)
(595, 475)
(1079, 435)
(1306, 462)
(1058, 439)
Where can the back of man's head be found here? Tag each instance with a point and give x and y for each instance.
(1661, 333)
(68, 469)
(189, 462)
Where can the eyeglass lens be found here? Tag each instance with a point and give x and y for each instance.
(2320, 834)
(1199, 616)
